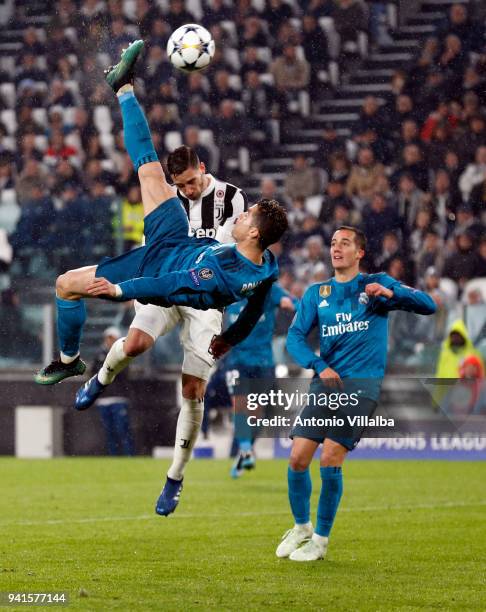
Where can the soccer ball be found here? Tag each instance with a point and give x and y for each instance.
(190, 48)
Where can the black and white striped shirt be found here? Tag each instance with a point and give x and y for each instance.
(220, 204)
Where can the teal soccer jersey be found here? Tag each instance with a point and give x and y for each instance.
(256, 349)
(353, 328)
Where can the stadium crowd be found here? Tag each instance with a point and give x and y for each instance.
(412, 173)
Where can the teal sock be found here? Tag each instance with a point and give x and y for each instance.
(331, 491)
(244, 444)
(71, 315)
(300, 489)
(136, 131)
(242, 430)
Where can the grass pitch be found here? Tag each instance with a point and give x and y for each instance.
(408, 536)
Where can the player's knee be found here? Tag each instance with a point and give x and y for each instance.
(298, 462)
(193, 389)
(63, 285)
(333, 456)
(137, 344)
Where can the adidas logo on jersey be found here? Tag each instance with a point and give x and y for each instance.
(323, 303)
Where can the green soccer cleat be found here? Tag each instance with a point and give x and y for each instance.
(57, 371)
(124, 72)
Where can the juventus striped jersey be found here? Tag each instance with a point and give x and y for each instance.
(220, 204)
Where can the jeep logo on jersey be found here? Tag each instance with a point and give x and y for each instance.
(206, 273)
(325, 291)
(205, 233)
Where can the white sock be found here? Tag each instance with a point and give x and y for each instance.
(114, 362)
(320, 540)
(67, 358)
(188, 426)
(128, 87)
(303, 526)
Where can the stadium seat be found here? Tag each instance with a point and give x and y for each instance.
(40, 115)
(477, 284)
(265, 54)
(9, 210)
(449, 287)
(7, 64)
(69, 115)
(267, 78)
(230, 28)
(194, 7)
(327, 24)
(102, 119)
(235, 81)
(130, 8)
(41, 142)
(172, 140)
(9, 120)
(9, 143)
(107, 141)
(7, 92)
(71, 34)
(233, 58)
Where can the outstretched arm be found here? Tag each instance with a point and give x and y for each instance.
(182, 288)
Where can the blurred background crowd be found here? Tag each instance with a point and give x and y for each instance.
(346, 111)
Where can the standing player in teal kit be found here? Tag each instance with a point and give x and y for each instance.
(351, 311)
(252, 359)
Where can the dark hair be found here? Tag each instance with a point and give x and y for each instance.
(271, 221)
(181, 159)
(359, 235)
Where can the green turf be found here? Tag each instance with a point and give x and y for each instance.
(408, 536)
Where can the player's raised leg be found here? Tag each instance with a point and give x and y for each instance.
(71, 316)
(300, 489)
(136, 131)
(332, 458)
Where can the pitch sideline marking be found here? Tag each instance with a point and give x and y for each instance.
(145, 517)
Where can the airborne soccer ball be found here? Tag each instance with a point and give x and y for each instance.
(190, 48)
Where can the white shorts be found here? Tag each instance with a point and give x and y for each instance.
(198, 328)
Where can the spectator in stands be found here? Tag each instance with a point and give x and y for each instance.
(6, 173)
(163, 118)
(58, 45)
(473, 138)
(453, 60)
(59, 95)
(303, 180)
(474, 173)
(222, 90)
(460, 265)
(474, 82)
(290, 74)
(32, 175)
(413, 163)
(28, 70)
(466, 222)
(215, 12)
(191, 139)
(58, 149)
(31, 43)
(430, 254)
(196, 116)
(364, 173)
(158, 69)
(335, 195)
(349, 19)
(312, 258)
(460, 25)
(65, 173)
(178, 15)
(132, 219)
(339, 167)
(480, 267)
(253, 34)
(27, 123)
(477, 199)
(329, 144)
(252, 62)
(445, 200)
(456, 347)
(268, 188)
(276, 12)
(422, 225)
(409, 199)
(145, 15)
(117, 39)
(370, 117)
(314, 43)
(403, 110)
(390, 249)
(229, 131)
(160, 33)
(34, 228)
(378, 219)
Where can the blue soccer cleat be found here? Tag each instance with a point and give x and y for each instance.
(169, 498)
(245, 460)
(89, 393)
